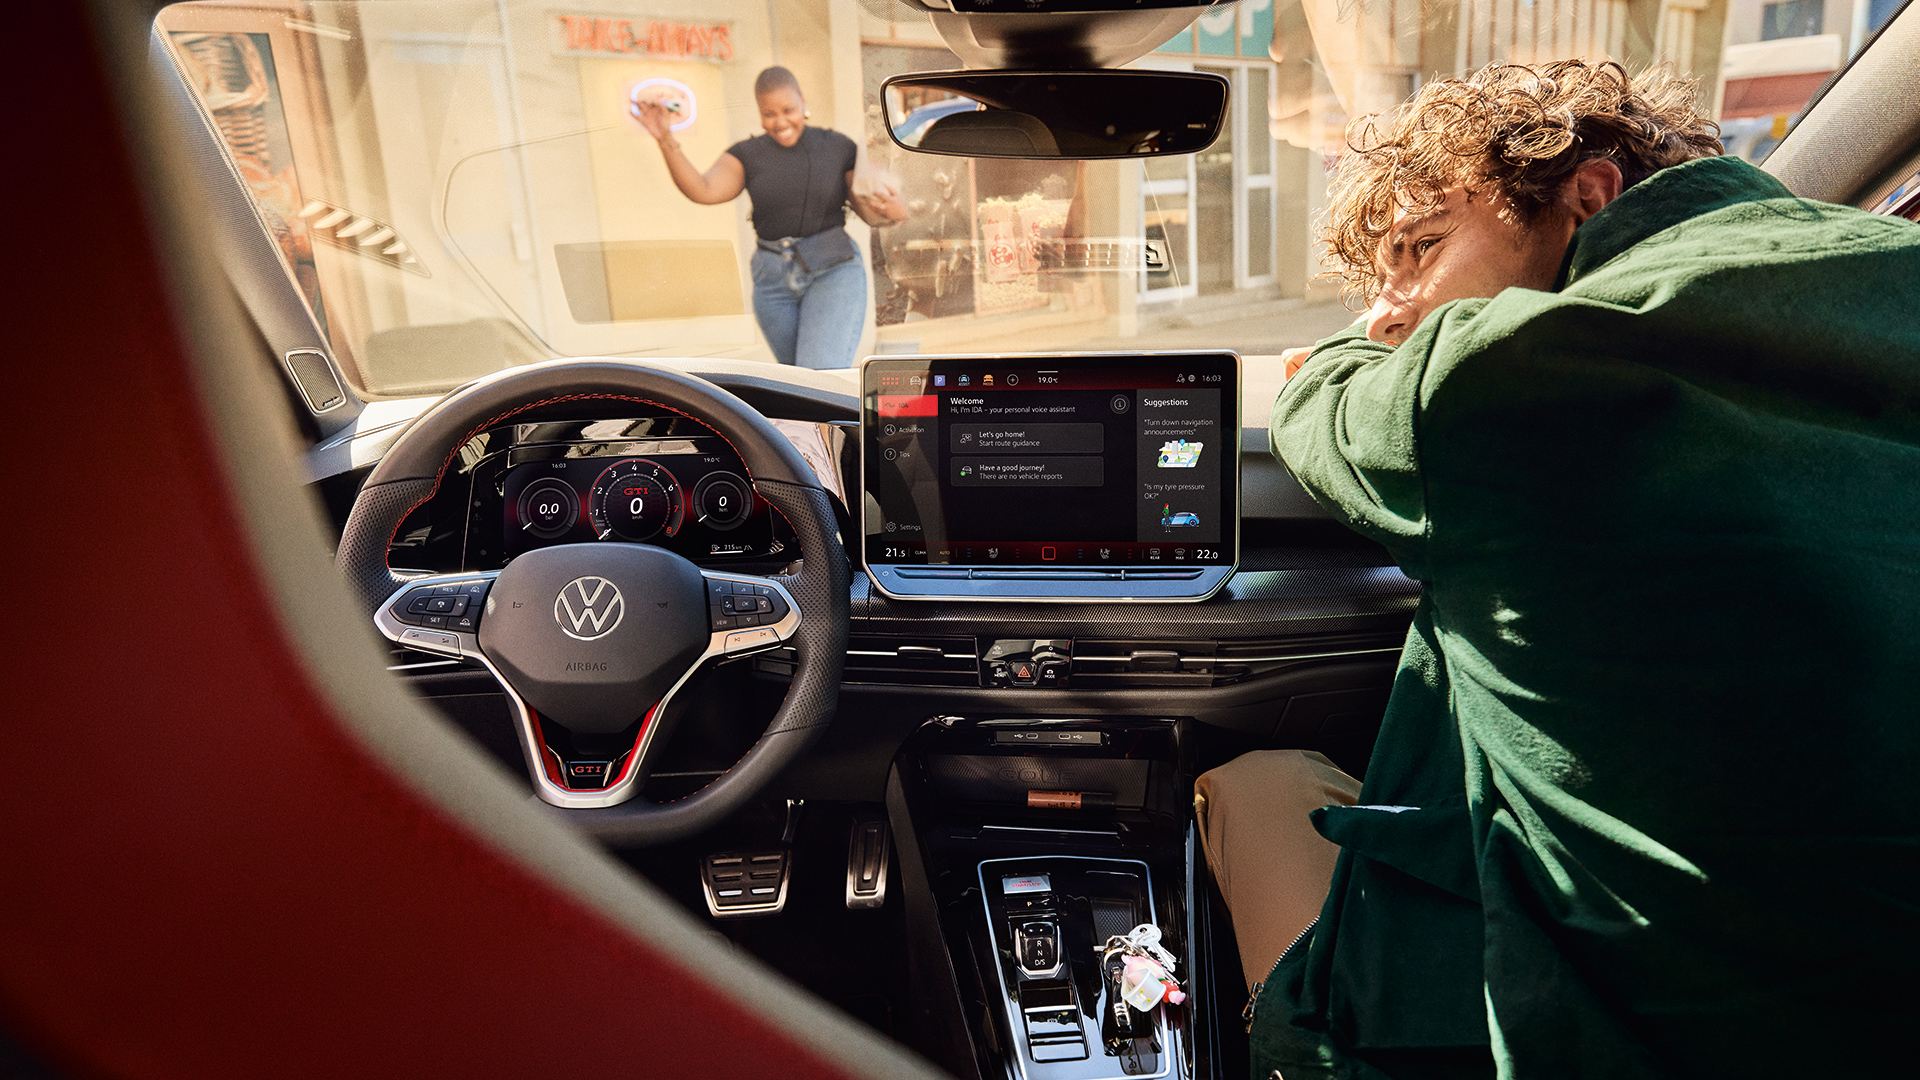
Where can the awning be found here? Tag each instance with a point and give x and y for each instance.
(1771, 95)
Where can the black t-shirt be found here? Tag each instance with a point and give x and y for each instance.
(797, 190)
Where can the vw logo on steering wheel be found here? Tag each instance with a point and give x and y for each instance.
(589, 602)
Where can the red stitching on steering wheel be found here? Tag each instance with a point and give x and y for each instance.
(440, 475)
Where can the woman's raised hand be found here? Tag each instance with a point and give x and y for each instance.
(875, 194)
(653, 117)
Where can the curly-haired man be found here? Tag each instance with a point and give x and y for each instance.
(1647, 429)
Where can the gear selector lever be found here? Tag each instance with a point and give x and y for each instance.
(1033, 917)
(1036, 944)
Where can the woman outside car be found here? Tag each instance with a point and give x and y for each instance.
(809, 284)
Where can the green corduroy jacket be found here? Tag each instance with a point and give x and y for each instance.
(1646, 799)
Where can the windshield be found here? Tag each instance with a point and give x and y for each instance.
(460, 186)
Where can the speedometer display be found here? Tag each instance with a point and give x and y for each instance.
(636, 499)
(636, 481)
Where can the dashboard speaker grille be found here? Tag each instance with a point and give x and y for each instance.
(315, 377)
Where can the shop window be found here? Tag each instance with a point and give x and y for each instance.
(1168, 220)
(1253, 94)
(922, 269)
(1260, 234)
(1791, 19)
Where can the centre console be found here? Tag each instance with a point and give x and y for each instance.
(1037, 840)
(1047, 917)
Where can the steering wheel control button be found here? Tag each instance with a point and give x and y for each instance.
(413, 606)
(743, 640)
(747, 605)
(744, 605)
(431, 640)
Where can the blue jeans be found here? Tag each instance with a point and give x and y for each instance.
(813, 320)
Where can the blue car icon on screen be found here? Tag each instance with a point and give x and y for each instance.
(1180, 520)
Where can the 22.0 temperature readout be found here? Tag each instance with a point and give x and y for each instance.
(635, 499)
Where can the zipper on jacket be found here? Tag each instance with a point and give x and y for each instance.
(1253, 998)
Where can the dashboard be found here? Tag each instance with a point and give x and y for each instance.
(1300, 639)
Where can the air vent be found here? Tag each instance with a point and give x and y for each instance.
(1142, 664)
(1238, 660)
(1129, 664)
(912, 661)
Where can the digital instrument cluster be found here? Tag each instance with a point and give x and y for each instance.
(685, 492)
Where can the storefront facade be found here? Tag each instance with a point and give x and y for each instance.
(1222, 205)
(462, 179)
(494, 146)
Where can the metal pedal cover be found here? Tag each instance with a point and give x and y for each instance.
(740, 884)
(867, 851)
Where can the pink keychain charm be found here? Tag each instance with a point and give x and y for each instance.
(1144, 984)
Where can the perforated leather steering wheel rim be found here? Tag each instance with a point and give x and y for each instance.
(411, 472)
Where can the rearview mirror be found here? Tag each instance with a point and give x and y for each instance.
(1055, 114)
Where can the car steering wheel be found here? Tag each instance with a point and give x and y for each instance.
(591, 641)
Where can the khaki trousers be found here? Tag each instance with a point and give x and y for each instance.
(1272, 867)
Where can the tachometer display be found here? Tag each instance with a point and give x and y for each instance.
(635, 499)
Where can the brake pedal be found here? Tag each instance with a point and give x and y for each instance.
(741, 884)
(867, 851)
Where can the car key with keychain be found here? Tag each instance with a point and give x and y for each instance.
(1139, 974)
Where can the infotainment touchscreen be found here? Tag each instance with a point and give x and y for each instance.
(1092, 476)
